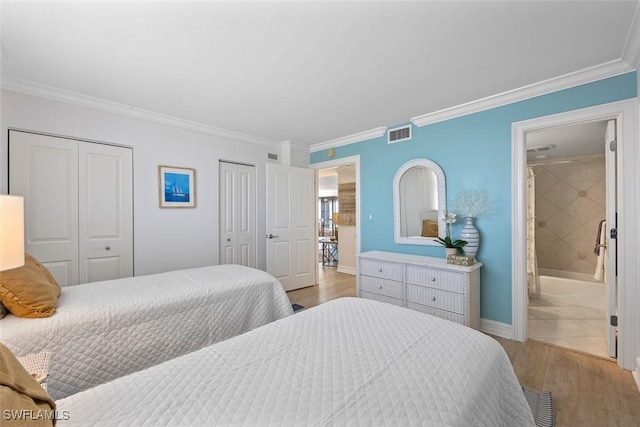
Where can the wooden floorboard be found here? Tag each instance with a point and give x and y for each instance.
(587, 391)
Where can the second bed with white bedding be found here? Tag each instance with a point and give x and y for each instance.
(104, 330)
(347, 362)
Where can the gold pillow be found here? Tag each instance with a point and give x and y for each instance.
(429, 228)
(30, 290)
(21, 395)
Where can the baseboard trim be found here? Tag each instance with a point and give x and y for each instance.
(636, 373)
(499, 329)
(346, 269)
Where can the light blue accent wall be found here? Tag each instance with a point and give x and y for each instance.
(474, 151)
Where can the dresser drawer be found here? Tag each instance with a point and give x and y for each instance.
(439, 279)
(382, 298)
(439, 313)
(435, 298)
(385, 270)
(381, 286)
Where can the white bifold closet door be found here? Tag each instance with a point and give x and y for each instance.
(237, 214)
(78, 205)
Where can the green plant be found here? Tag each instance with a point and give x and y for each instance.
(448, 243)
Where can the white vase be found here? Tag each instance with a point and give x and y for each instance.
(472, 236)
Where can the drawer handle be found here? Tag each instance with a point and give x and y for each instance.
(380, 271)
(433, 298)
(433, 279)
(380, 287)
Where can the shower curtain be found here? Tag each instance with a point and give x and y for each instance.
(533, 279)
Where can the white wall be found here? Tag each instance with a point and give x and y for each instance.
(347, 249)
(164, 239)
(637, 371)
(328, 186)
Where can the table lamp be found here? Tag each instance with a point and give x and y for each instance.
(11, 232)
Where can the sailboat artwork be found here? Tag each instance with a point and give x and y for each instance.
(176, 191)
(177, 187)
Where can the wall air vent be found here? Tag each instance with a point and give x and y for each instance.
(272, 156)
(399, 134)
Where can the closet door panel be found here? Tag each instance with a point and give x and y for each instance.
(246, 214)
(78, 205)
(237, 214)
(227, 225)
(43, 169)
(105, 207)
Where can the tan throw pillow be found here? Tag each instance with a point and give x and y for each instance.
(30, 290)
(21, 395)
(429, 228)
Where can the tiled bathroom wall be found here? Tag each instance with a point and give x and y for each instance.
(570, 202)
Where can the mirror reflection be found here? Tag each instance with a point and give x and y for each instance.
(419, 203)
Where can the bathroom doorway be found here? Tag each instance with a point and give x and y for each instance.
(566, 236)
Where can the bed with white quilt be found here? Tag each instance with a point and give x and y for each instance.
(105, 330)
(347, 362)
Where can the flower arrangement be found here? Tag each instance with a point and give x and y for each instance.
(450, 218)
(473, 203)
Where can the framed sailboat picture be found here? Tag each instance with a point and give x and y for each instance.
(177, 187)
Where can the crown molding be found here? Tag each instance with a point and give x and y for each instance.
(598, 72)
(350, 139)
(291, 144)
(631, 51)
(73, 98)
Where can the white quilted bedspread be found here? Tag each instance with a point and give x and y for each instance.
(105, 330)
(347, 362)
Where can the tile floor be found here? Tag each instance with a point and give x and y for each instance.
(570, 326)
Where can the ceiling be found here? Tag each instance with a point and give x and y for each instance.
(566, 142)
(302, 71)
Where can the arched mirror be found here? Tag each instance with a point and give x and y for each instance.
(419, 203)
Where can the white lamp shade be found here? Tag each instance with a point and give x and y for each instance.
(11, 232)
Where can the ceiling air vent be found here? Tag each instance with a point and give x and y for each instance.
(399, 134)
(540, 148)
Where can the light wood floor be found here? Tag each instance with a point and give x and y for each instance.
(587, 391)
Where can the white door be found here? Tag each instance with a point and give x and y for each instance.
(611, 274)
(78, 205)
(291, 233)
(105, 207)
(237, 214)
(44, 170)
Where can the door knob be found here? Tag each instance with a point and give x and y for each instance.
(271, 236)
(108, 248)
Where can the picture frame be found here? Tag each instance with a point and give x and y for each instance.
(177, 187)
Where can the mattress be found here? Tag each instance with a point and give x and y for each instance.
(104, 330)
(347, 362)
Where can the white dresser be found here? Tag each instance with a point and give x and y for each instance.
(421, 283)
